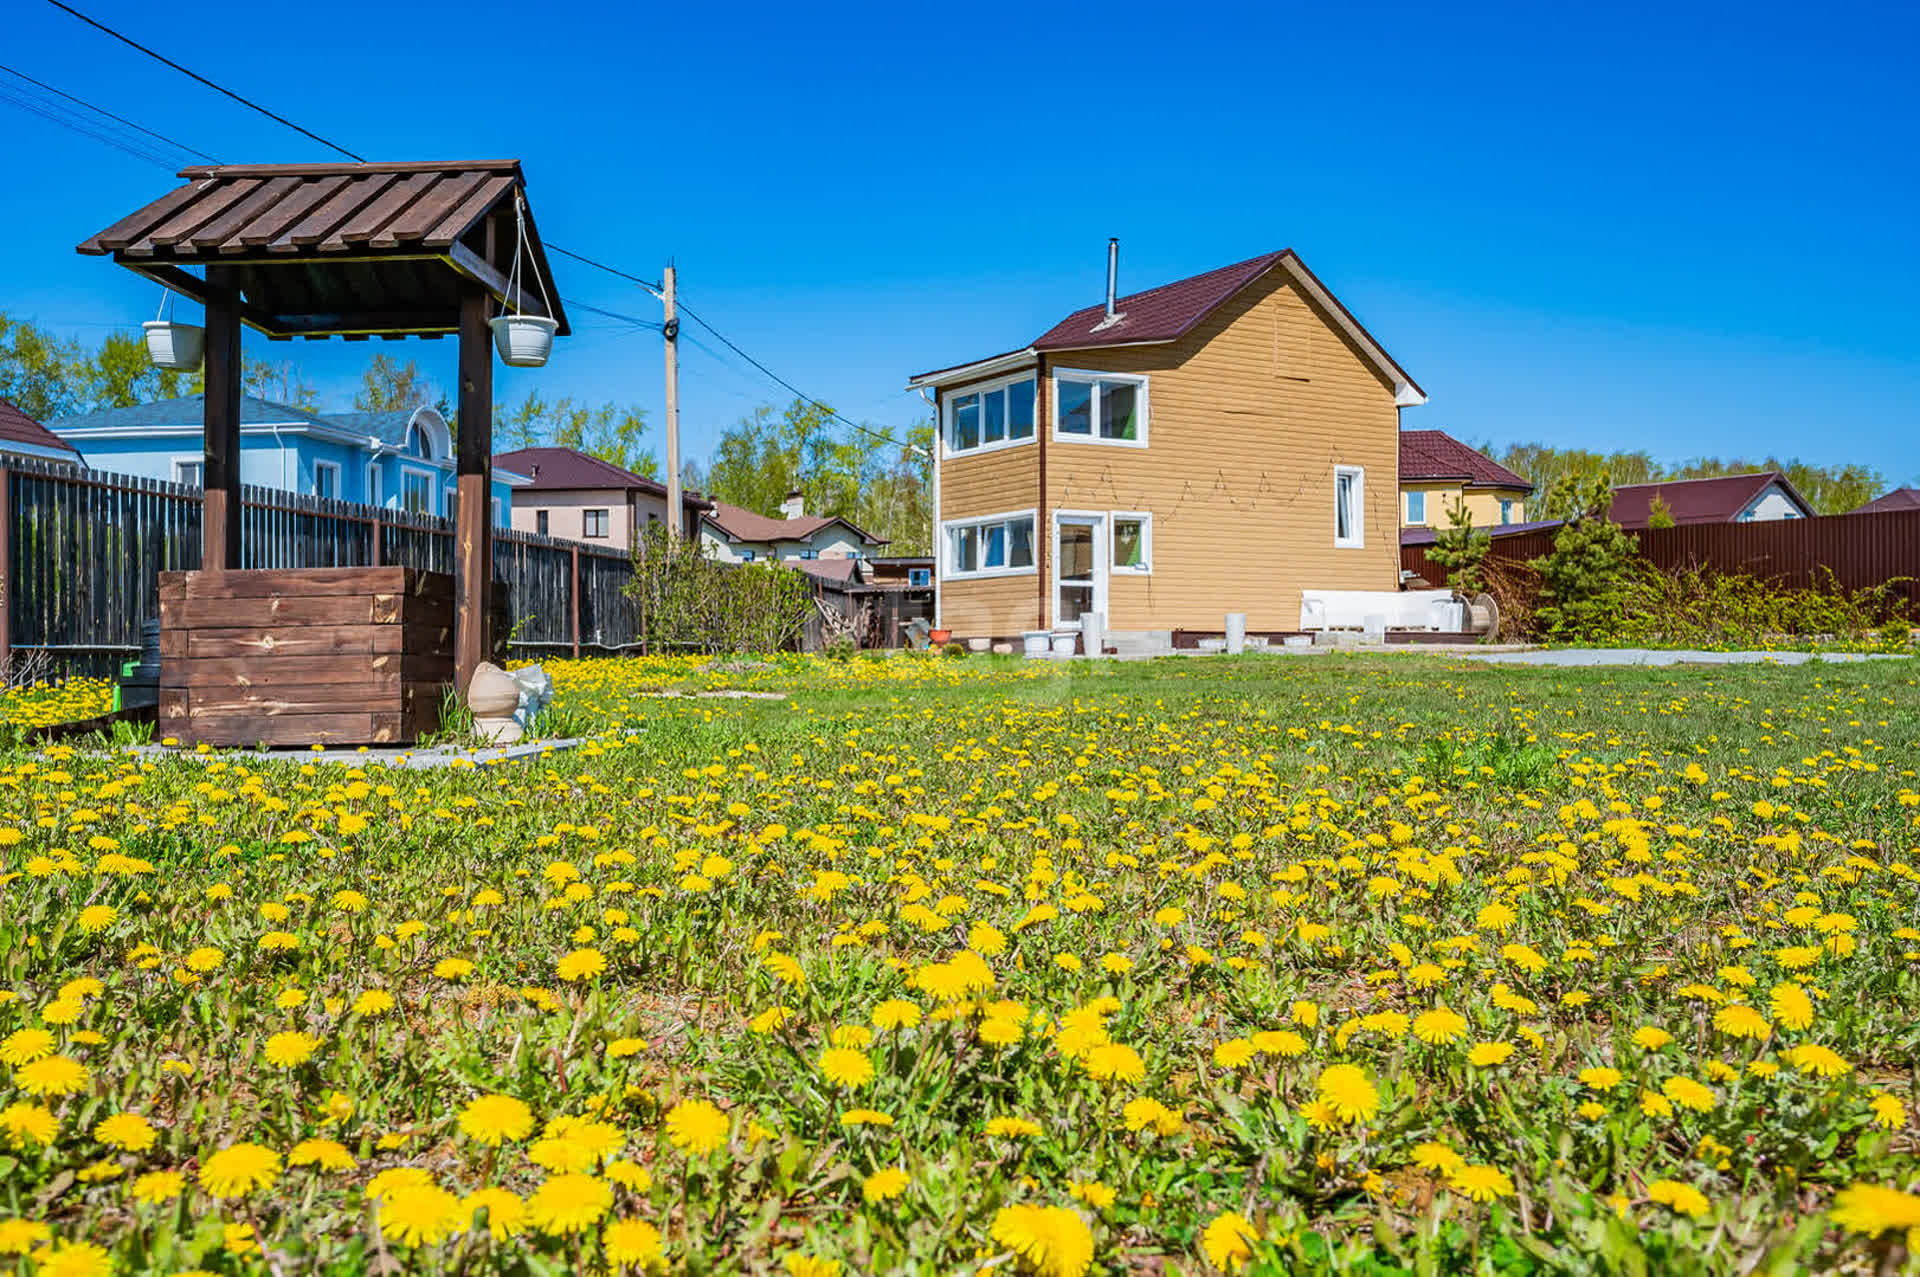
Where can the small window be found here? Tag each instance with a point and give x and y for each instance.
(326, 480)
(1101, 408)
(809, 554)
(595, 523)
(1506, 512)
(991, 417)
(746, 556)
(919, 576)
(1349, 507)
(416, 494)
(1417, 508)
(1003, 544)
(499, 514)
(190, 473)
(1133, 543)
(542, 523)
(419, 443)
(373, 483)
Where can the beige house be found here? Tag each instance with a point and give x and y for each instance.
(737, 535)
(1214, 445)
(578, 496)
(1438, 472)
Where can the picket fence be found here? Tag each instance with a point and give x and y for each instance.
(83, 552)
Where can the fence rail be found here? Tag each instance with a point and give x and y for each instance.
(1853, 551)
(83, 552)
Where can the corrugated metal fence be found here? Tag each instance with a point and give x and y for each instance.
(1858, 550)
(83, 552)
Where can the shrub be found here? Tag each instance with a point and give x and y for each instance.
(692, 601)
(1582, 580)
(1697, 606)
(954, 650)
(1461, 549)
(841, 649)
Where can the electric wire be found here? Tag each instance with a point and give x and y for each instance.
(100, 110)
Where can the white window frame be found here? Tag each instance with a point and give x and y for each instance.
(948, 528)
(1143, 398)
(1357, 540)
(180, 466)
(417, 472)
(1145, 519)
(984, 388)
(1506, 511)
(1099, 521)
(338, 490)
(374, 495)
(1418, 518)
(499, 513)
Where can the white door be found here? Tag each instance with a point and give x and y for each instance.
(1079, 567)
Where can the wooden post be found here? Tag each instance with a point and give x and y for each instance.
(473, 549)
(377, 549)
(575, 596)
(6, 570)
(220, 475)
(671, 329)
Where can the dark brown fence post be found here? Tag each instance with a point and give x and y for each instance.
(375, 552)
(575, 597)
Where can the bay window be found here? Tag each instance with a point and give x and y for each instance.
(1105, 407)
(993, 416)
(1000, 544)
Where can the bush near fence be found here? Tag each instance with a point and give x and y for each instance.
(83, 552)
(1847, 571)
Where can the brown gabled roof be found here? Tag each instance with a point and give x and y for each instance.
(1435, 454)
(17, 427)
(1716, 500)
(568, 469)
(744, 525)
(1898, 499)
(1171, 311)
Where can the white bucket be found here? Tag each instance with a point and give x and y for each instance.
(1093, 632)
(1036, 642)
(1065, 641)
(174, 347)
(524, 341)
(1236, 633)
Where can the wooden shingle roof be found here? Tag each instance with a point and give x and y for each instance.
(340, 249)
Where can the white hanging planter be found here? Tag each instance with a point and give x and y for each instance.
(524, 341)
(174, 346)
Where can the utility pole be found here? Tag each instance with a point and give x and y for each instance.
(671, 329)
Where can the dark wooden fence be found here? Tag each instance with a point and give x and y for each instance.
(83, 552)
(1854, 551)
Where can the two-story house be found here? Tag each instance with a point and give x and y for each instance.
(1214, 445)
(579, 496)
(397, 460)
(733, 534)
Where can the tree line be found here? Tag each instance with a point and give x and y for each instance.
(884, 486)
(1829, 489)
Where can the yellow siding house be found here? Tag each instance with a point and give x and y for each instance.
(1214, 445)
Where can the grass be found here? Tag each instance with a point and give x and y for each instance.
(1263, 965)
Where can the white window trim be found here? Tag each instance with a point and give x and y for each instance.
(1421, 518)
(1093, 374)
(982, 388)
(952, 573)
(375, 497)
(338, 490)
(1358, 541)
(432, 485)
(180, 464)
(1146, 541)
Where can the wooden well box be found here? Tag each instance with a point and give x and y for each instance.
(306, 656)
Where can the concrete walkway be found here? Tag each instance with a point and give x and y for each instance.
(1583, 657)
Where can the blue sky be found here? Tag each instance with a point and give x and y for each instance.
(1689, 229)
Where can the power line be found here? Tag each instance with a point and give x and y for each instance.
(579, 257)
(71, 120)
(100, 110)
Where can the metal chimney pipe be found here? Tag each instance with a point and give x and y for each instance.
(1113, 270)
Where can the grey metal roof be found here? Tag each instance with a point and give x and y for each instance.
(188, 412)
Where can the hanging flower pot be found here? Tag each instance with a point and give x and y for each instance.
(173, 346)
(524, 341)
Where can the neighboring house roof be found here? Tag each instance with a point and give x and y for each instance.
(1171, 311)
(21, 433)
(1716, 500)
(568, 469)
(839, 571)
(1898, 499)
(1427, 536)
(744, 525)
(186, 412)
(1434, 454)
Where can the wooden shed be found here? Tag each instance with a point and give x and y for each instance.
(335, 655)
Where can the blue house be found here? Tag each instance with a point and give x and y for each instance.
(399, 460)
